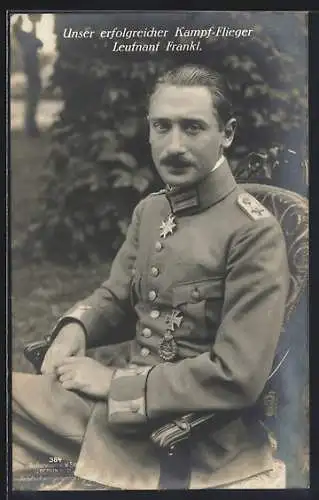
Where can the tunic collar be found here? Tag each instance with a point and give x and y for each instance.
(196, 198)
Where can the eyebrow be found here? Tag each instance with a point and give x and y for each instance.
(190, 119)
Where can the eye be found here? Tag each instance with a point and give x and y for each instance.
(193, 128)
(160, 126)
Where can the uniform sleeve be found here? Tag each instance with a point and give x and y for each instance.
(233, 374)
(108, 304)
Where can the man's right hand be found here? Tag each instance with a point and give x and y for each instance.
(70, 341)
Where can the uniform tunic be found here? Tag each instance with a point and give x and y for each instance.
(217, 278)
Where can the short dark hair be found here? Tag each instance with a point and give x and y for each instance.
(194, 75)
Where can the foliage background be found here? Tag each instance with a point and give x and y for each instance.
(99, 165)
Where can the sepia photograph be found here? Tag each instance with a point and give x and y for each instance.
(159, 250)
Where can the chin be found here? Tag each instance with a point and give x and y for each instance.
(179, 180)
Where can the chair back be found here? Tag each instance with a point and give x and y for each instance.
(285, 396)
(291, 211)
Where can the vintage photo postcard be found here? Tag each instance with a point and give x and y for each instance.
(159, 223)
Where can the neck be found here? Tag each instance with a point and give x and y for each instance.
(210, 190)
(218, 163)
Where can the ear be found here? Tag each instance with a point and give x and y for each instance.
(229, 132)
(147, 125)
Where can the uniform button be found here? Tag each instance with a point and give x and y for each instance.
(155, 314)
(158, 246)
(195, 294)
(135, 407)
(145, 352)
(155, 271)
(152, 295)
(147, 332)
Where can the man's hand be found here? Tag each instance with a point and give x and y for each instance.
(85, 375)
(70, 341)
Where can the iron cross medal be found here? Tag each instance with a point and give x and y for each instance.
(174, 320)
(167, 226)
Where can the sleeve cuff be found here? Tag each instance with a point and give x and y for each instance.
(80, 314)
(127, 396)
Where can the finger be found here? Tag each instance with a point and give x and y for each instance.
(70, 385)
(65, 377)
(61, 369)
(65, 364)
(63, 360)
(52, 358)
(47, 370)
(47, 365)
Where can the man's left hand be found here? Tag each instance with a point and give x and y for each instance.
(77, 373)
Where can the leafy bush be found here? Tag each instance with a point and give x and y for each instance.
(100, 163)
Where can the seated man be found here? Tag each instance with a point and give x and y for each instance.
(204, 266)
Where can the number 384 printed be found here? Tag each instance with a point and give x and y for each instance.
(59, 460)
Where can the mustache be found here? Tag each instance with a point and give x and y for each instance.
(176, 160)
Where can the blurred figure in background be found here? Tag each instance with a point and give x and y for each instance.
(30, 44)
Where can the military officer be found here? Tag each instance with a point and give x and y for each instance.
(204, 267)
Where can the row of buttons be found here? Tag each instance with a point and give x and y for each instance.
(147, 332)
(155, 272)
(195, 294)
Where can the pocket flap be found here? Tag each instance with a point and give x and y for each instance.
(196, 291)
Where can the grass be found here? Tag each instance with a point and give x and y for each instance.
(27, 159)
(40, 293)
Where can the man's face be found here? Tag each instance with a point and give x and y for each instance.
(185, 137)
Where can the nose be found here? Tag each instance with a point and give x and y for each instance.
(176, 145)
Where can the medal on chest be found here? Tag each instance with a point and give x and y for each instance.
(168, 346)
(168, 226)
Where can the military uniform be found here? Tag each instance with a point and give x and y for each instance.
(206, 271)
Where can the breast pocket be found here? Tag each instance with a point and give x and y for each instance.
(200, 301)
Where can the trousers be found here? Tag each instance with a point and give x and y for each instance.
(47, 421)
(48, 427)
